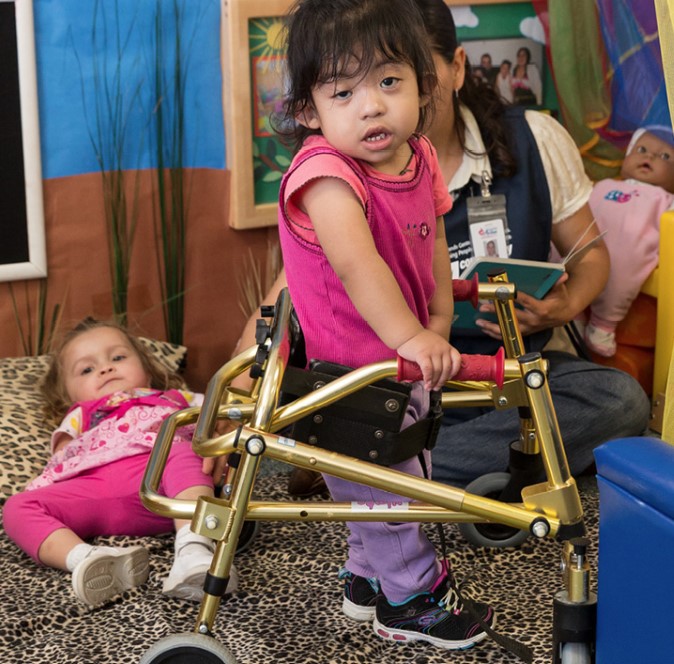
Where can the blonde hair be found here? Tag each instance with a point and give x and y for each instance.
(57, 401)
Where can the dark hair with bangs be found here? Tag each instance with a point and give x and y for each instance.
(324, 36)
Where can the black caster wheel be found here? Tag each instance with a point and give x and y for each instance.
(491, 535)
(188, 648)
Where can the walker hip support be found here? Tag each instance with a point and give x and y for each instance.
(365, 425)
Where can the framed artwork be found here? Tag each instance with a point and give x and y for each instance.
(253, 87)
(22, 250)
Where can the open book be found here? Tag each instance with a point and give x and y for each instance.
(535, 278)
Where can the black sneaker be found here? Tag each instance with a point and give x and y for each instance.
(360, 596)
(436, 616)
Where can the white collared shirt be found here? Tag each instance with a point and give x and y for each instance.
(568, 184)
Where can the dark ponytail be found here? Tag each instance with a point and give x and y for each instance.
(483, 101)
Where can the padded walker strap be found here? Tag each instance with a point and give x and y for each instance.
(364, 425)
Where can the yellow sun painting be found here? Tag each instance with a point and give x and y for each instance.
(266, 36)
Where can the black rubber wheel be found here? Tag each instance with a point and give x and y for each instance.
(248, 532)
(188, 648)
(491, 535)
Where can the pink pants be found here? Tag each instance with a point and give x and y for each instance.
(100, 501)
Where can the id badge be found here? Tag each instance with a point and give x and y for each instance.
(488, 222)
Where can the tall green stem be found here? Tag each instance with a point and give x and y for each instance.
(107, 137)
(172, 201)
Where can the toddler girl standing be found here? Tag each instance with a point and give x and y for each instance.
(114, 396)
(360, 221)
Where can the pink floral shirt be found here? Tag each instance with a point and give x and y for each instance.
(120, 425)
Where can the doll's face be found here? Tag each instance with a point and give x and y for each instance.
(651, 160)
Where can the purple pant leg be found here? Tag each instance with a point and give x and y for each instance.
(398, 554)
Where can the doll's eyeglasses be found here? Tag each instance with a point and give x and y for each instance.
(665, 156)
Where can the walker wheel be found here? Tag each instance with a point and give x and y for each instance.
(491, 535)
(188, 648)
(575, 653)
(248, 532)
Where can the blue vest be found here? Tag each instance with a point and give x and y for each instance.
(529, 222)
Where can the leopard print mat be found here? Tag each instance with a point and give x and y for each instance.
(287, 610)
(288, 607)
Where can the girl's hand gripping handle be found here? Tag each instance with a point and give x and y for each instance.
(473, 367)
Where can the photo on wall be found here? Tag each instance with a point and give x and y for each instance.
(23, 252)
(513, 67)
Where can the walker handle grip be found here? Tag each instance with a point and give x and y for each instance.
(466, 289)
(473, 367)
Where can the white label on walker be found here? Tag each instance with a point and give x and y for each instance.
(368, 506)
(288, 442)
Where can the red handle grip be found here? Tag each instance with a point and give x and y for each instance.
(473, 367)
(466, 289)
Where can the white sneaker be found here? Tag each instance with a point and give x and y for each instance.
(187, 575)
(600, 341)
(108, 571)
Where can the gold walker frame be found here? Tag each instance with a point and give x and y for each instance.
(551, 508)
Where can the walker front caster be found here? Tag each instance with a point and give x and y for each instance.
(575, 609)
(491, 535)
(188, 648)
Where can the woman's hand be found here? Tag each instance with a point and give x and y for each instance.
(584, 279)
(534, 315)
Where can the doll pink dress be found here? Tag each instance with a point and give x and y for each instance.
(630, 212)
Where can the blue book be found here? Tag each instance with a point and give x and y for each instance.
(535, 278)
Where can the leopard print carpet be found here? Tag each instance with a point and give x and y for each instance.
(287, 610)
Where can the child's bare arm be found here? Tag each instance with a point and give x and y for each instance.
(441, 307)
(344, 235)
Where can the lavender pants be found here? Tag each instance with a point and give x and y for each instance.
(100, 501)
(399, 555)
